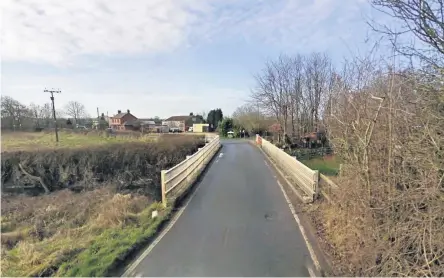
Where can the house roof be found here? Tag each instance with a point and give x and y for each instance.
(148, 122)
(178, 118)
(120, 115)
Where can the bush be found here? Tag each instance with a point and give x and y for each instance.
(389, 219)
(130, 166)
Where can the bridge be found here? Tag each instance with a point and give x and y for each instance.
(237, 221)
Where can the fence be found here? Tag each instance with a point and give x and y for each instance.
(326, 187)
(177, 180)
(304, 177)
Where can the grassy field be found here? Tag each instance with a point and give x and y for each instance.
(86, 232)
(19, 141)
(328, 165)
(73, 234)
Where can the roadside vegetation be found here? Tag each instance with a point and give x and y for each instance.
(327, 165)
(80, 209)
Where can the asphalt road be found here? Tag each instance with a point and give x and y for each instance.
(237, 224)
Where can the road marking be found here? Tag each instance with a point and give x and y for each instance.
(301, 228)
(311, 272)
(225, 236)
(130, 271)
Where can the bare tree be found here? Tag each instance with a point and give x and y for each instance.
(422, 18)
(250, 118)
(41, 114)
(318, 67)
(273, 90)
(297, 95)
(13, 112)
(75, 110)
(294, 91)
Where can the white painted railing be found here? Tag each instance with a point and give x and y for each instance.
(301, 176)
(178, 179)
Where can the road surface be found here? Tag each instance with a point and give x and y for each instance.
(237, 224)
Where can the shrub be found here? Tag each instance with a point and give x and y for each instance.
(129, 166)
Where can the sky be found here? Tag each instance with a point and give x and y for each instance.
(164, 57)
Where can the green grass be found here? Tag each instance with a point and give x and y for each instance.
(112, 246)
(94, 248)
(327, 166)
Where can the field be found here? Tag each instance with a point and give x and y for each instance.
(19, 141)
(327, 165)
(97, 204)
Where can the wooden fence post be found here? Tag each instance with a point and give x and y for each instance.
(316, 184)
(188, 168)
(163, 187)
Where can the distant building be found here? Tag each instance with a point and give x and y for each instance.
(147, 125)
(201, 127)
(182, 123)
(124, 121)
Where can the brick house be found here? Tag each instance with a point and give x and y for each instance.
(182, 123)
(123, 121)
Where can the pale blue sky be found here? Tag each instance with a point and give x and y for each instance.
(164, 57)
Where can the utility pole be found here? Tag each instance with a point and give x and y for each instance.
(52, 92)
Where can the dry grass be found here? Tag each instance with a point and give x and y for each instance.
(344, 229)
(40, 234)
(25, 141)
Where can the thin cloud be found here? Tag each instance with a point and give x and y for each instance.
(58, 32)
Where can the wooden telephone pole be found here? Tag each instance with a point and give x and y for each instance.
(52, 92)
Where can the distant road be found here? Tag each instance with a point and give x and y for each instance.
(237, 224)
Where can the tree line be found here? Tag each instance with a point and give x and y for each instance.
(290, 96)
(16, 115)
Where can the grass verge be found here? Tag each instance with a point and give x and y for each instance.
(328, 165)
(114, 245)
(69, 234)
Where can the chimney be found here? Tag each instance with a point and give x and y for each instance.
(127, 111)
(119, 111)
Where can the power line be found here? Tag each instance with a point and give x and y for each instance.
(52, 92)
